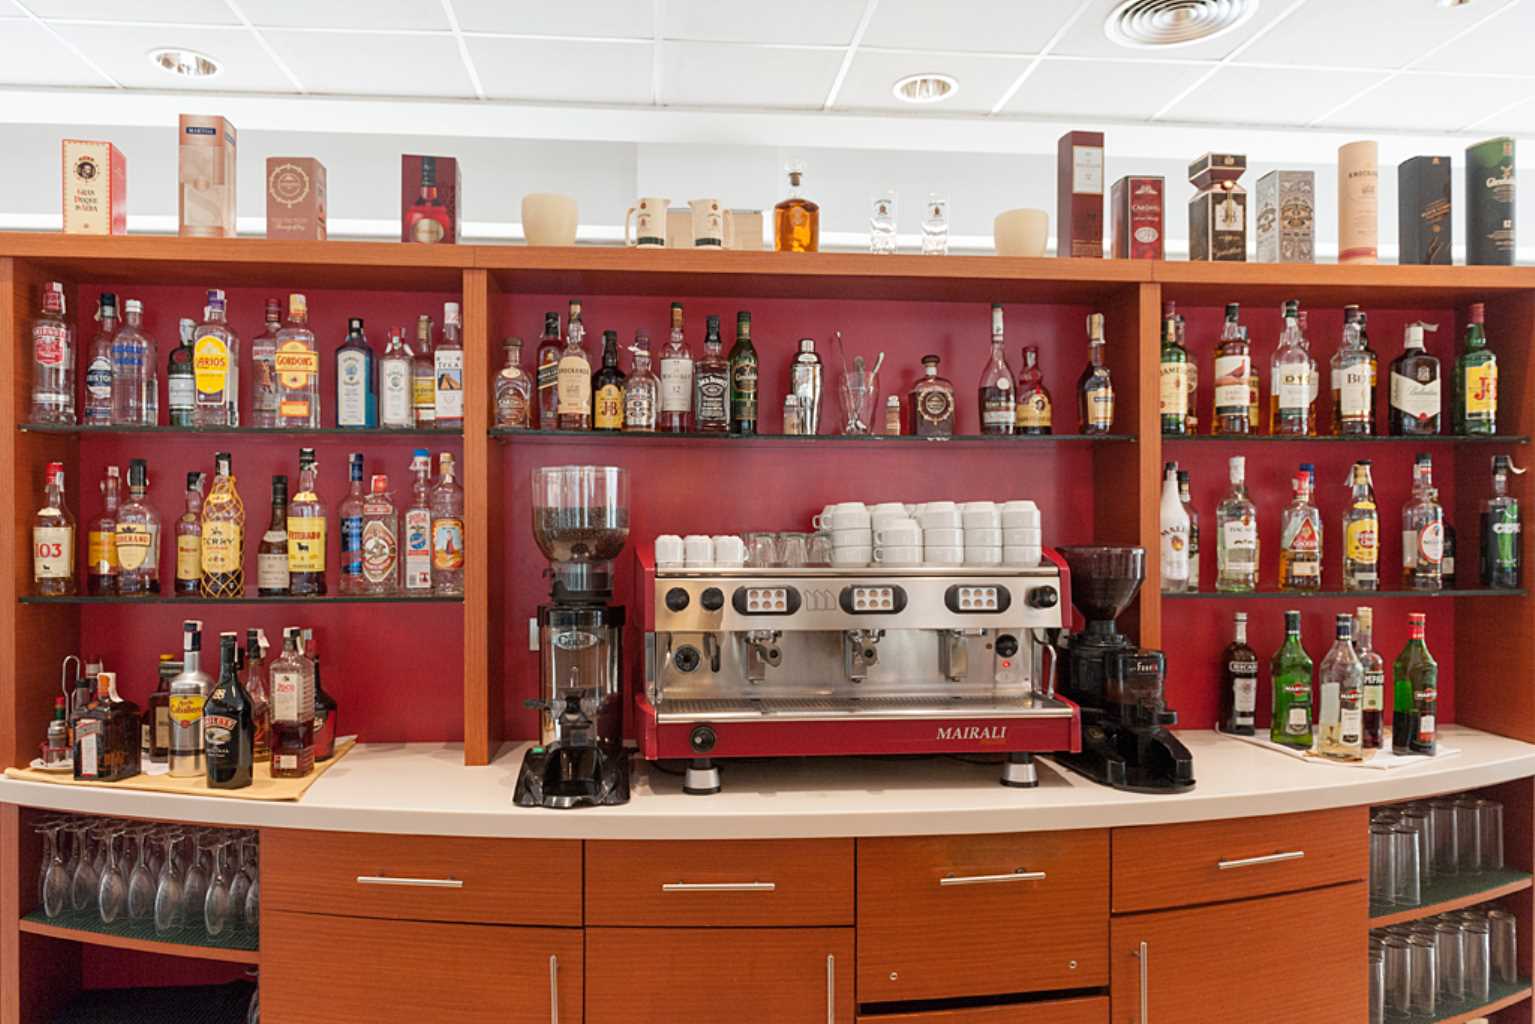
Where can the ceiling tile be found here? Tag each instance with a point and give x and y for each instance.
(1518, 120)
(30, 56)
(1500, 44)
(593, 72)
(612, 19)
(1352, 33)
(808, 22)
(380, 14)
(374, 65)
(1277, 96)
(731, 75)
(982, 81)
(1086, 37)
(122, 51)
(168, 12)
(1102, 89)
(1430, 102)
(991, 26)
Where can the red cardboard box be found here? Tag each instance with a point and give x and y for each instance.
(1138, 207)
(429, 197)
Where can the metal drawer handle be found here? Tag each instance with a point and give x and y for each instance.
(831, 989)
(1145, 957)
(719, 886)
(1017, 876)
(1269, 858)
(554, 989)
(420, 883)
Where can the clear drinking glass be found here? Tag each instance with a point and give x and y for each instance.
(216, 904)
(170, 913)
(1490, 816)
(882, 218)
(112, 891)
(1377, 986)
(1382, 864)
(1503, 943)
(819, 549)
(1447, 951)
(141, 880)
(1422, 975)
(1421, 822)
(244, 878)
(793, 550)
(1406, 854)
(935, 225)
(762, 550)
(858, 390)
(194, 885)
(54, 887)
(1398, 977)
(1476, 956)
(1446, 817)
(253, 894)
(85, 880)
(1468, 834)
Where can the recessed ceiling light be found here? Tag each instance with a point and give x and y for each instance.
(925, 88)
(1454, 3)
(1163, 23)
(186, 63)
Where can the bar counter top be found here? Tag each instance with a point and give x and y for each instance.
(424, 788)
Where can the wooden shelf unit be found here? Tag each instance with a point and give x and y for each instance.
(1441, 898)
(167, 947)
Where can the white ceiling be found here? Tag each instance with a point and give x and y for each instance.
(1387, 65)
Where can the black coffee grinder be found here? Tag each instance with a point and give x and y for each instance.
(1118, 685)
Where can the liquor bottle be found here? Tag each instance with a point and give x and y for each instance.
(427, 218)
(189, 540)
(272, 552)
(1447, 563)
(1354, 372)
(98, 367)
(57, 749)
(1254, 392)
(53, 360)
(1290, 669)
(1300, 539)
(1313, 415)
(83, 694)
(996, 400)
(350, 514)
(138, 537)
(181, 377)
(1095, 388)
(1034, 405)
(356, 387)
(296, 371)
(108, 736)
(256, 686)
(1234, 378)
(608, 387)
(423, 375)
(642, 390)
(1175, 534)
(380, 540)
(447, 531)
(306, 531)
(711, 382)
(575, 380)
(1423, 531)
(1290, 401)
(1193, 514)
(1191, 373)
(514, 390)
(1239, 691)
(223, 533)
(229, 726)
(53, 539)
(796, 220)
(264, 369)
(1361, 532)
(1340, 715)
(132, 358)
(1236, 534)
(395, 411)
(676, 413)
(448, 362)
(1174, 378)
(1415, 386)
(931, 403)
(216, 367)
(418, 527)
(156, 745)
(324, 703)
(101, 540)
(292, 680)
(188, 693)
(1501, 527)
(1476, 380)
(546, 372)
(1415, 694)
(743, 378)
(1373, 687)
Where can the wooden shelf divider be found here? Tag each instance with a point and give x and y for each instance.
(35, 924)
(1453, 892)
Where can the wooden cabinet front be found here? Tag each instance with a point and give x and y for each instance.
(317, 969)
(719, 975)
(1295, 959)
(944, 916)
(1086, 1010)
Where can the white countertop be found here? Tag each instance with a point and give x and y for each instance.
(424, 788)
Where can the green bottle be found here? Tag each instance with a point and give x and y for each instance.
(1291, 671)
(1476, 380)
(743, 378)
(1415, 694)
(1174, 382)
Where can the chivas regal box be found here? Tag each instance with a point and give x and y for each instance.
(429, 197)
(1284, 217)
(1137, 219)
(1424, 210)
(1490, 202)
(95, 188)
(206, 171)
(295, 198)
(1218, 211)
(1079, 195)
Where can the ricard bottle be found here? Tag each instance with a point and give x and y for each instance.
(1239, 692)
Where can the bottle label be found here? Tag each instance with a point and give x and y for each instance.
(50, 341)
(1175, 553)
(296, 364)
(1505, 538)
(1431, 544)
(101, 552)
(608, 408)
(1241, 545)
(1231, 384)
(1417, 399)
(380, 552)
(676, 384)
(133, 543)
(351, 389)
(220, 734)
(1034, 411)
(1374, 691)
(1244, 693)
(1100, 408)
(639, 407)
(424, 397)
(449, 383)
(418, 549)
(713, 397)
(221, 546)
(1294, 390)
(351, 545)
(1426, 728)
(161, 737)
(87, 737)
(306, 543)
(575, 387)
(547, 375)
(182, 392)
(1298, 721)
(1299, 537)
(512, 407)
(743, 390)
(186, 709)
(272, 569)
(1353, 384)
(98, 379)
(53, 552)
(394, 400)
(447, 544)
(936, 405)
(1361, 540)
(1481, 395)
(210, 367)
(1175, 389)
(286, 684)
(189, 557)
(1351, 725)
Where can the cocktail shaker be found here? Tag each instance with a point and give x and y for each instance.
(805, 385)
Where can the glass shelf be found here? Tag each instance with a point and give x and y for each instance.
(1348, 439)
(249, 599)
(237, 944)
(1385, 593)
(1500, 994)
(1451, 892)
(84, 430)
(628, 437)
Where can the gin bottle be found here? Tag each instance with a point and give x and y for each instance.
(448, 362)
(1373, 687)
(574, 390)
(264, 369)
(223, 533)
(1290, 670)
(1236, 534)
(132, 357)
(1340, 719)
(1234, 378)
(1361, 532)
(1354, 371)
(514, 391)
(1300, 539)
(101, 540)
(423, 375)
(394, 398)
(53, 360)
(189, 540)
(98, 368)
(1423, 531)
(1293, 367)
(1095, 388)
(138, 537)
(1239, 694)
(216, 367)
(350, 514)
(1175, 534)
(53, 539)
(447, 531)
(356, 380)
(181, 378)
(380, 540)
(1415, 694)
(641, 390)
(711, 383)
(298, 369)
(1500, 558)
(1476, 379)
(676, 414)
(996, 399)
(418, 527)
(292, 683)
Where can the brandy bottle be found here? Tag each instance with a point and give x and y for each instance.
(796, 220)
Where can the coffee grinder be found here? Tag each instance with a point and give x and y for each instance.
(581, 523)
(1118, 685)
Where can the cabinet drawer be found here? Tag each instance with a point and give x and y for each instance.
(1089, 1010)
(422, 878)
(1209, 861)
(318, 969)
(931, 910)
(728, 882)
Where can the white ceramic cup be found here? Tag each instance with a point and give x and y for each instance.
(907, 554)
(1022, 538)
(888, 508)
(983, 556)
(1020, 232)
(937, 506)
(549, 218)
(1020, 515)
(983, 537)
(668, 550)
(939, 519)
(981, 519)
(698, 549)
(943, 555)
(648, 220)
(711, 224)
(886, 520)
(851, 556)
(859, 537)
(1028, 555)
(898, 533)
(944, 537)
(822, 519)
(848, 520)
(729, 551)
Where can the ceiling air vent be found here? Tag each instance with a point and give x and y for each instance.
(1143, 23)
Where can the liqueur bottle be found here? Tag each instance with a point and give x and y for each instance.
(101, 540)
(216, 367)
(711, 383)
(1500, 558)
(223, 534)
(1174, 379)
(181, 378)
(350, 514)
(676, 412)
(189, 540)
(931, 402)
(324, 704)
(608, 387)
(1340, 718)
(1193, 514)
(642, 389)
(514, 391)
(356, 380)
(1292, 370)
(395, 408)
(1175, 534)
(796, 220)
(98, 367)
(256, 686)
(292, 681)
(107, 736)
(546, 372)
(996, 399)
(1290, 669)
(272, 552)
(418, 527)
(1236, 534)
(1423, 531)
(188, 693)
(1415, 386)
(1234, 377)
(743, 378)
(138, 537)
(423, 375)
(1034, 405)
(53, 360)
(447, 531)
(306, 531)
(264, 368)
(1476, 380)
(1300, 539)
(380, 540)
(1415, 696)
(1361, 532)
(133, 363)
(1239, 691)
(229, 726)
(1354, 372)
(53, 539)
(575, 376)
(1095, 388)
(1373, 687)
(448, 370)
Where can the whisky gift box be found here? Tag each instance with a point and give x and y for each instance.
(1079, 195)
(1137, 203)
(1284, 217)
(295, 198)
(1358, 203)
(1424, 210)
(95, 188)
(206, 174)
(1218, 211)
(1490, 202)
(429, 197)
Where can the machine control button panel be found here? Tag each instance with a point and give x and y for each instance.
(765, 600)
(873, 599)
(1007, 645)
(1043, 597)
(677, 599)
(711, 599)
(977, 598)
(702, 739)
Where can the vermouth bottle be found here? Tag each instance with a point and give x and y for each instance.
(1239, 692)
(1174, 383)
(1236, 534)
(1415, 696)
(1374, 683)
(1290, 669)
(1233, 377)
(229, 725)
(997, 401)
(1290, 401)
(53, 539)
(223, 534)
(1361, 533)
(1340, 719)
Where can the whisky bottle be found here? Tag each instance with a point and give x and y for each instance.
(1234, 378)
(216, 367)
(1175, 534)
(1361, 532)
(350, 515)
(676, 412)
(1415, 694)
(395, 411)
(931, 402)
(1354, 371)
(1174, 380)
(1290, 400)
(996, 399)
(1034, 405)
(1340, 720)
(1095, 388)
(1239, 691)
(101, 540)
(1300, 539)
(418, 527)
(1290, 669)
(1415, 386)
(356, 380)
(514, 391)
(1236, 534)
(711, 383)
(1476, 380)
(743, 378)
(306, 531)
(423, 375)
(272, 552)
(448, 371)
(574, 385)
(189, 540)
(223, 534)
(292, 682)
(546, 373)
(608, 387)
(796, 220)
(229, 726)
(138, 537)
(1501, 528)
(188, 692)
(1373, 687)
(264, 368)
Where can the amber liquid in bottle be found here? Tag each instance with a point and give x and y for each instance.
(796, 220)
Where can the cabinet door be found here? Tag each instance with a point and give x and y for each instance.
(719, 975)
(1296, 959)
(317, 969)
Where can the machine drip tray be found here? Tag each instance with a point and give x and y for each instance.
(810, 709)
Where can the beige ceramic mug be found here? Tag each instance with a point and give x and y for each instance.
(549, 218)
(711, 224)
(1021, 232)
(648, 220)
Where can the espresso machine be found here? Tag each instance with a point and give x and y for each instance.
(581, 523)
(774, 662)
(1118, 684)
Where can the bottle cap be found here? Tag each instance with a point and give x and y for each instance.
(354, 325)
(1292, 621)
(608, 338)
(107, 300)
(138, 473)
(1476, 313)
(380, 483)
(1240, 616)
(112, 471)
(297, 303)
(354, 465)
(1183, 477)
(450, 313)
(807, 344)
(279, 486)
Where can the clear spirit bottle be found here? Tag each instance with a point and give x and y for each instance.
(380, 540)
(1234, 378)
(575, 380)
(996, 399)
(264, 369)
(447, 531)
(642, 390)
(1354, 372)
(101, 539)
(418, 527)
(256, 686)
(1193, 514)
(1239, 694)
(53, 359)
(53, 539)
(1374, 686)
(181, 378)
(132, 357)
(395, 411)
(189, 540)
(223, 533)
(1034, 405)
(1095, 388)
(272, 552)
(448, 362)
(350, 514)
(514, 391)
(1236, 534)
(1290, 670)
(1476, 379)
(743, 378)
(98, 367)
(676, 415)
(608, 387)
(711, 383)
(298, 369)
(1415, 694)
(138, 537)
(1300, 539)
(423, 374)
(1175, 534)
(292, 681)
(1361, 532)
(1423, 531)
(931, 402)
(216, 367)
(1291, 376)
(1501, 529)
(796, 220)
(1416, 401)
(356, 380)
(1340, 718)
(1174, 379)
